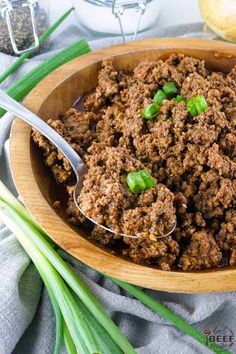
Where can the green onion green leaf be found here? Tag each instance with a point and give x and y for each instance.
(151, 111)
(61, 278)
(170, 89)
(169, 315)
(196, 105)
(20, 88)
(42, 39)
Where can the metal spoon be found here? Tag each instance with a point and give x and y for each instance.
(77, 164)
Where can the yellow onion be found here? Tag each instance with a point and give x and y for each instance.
(220, 17)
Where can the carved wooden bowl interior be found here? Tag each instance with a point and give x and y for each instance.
(52, 97)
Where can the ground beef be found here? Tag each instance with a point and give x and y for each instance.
(152, 213)
(226, 237)
(192, 161)
(104, 237)
(202, 252)
(232, 259)
(162, 252)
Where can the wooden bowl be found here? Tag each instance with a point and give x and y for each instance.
(53, 96)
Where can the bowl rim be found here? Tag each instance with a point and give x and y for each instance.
(213, 280)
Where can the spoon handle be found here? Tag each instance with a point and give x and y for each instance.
(10, 105)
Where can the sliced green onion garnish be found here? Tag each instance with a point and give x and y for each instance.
(149, 181)
(139, 181)
(159, 97)
(196, 105)
(179, 98)
(170, 89)
(150, 111)
(135, 182)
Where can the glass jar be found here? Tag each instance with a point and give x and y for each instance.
(117, 16)
(21, 24)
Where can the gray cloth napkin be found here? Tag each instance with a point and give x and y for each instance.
(27, 324)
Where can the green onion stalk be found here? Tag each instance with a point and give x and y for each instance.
(173, 318)
(42, 39)
(61, 280)
(19, 89)
(81, 322)
(69, 344)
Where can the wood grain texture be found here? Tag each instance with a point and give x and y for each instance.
(53, 96)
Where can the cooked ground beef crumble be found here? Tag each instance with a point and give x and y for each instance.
(192, 160)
